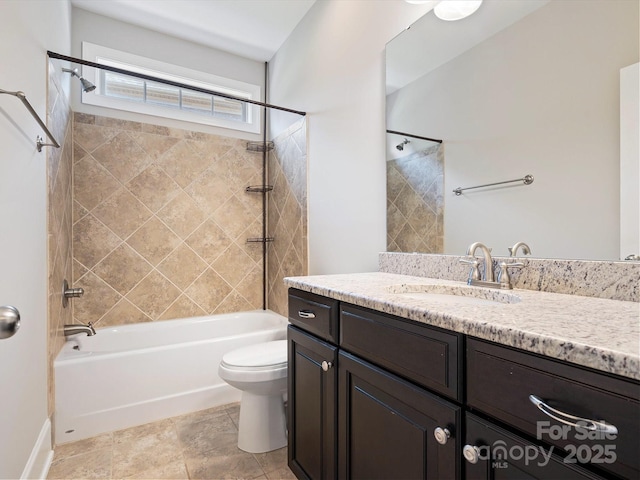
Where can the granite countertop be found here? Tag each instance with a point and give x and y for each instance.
(594, 332)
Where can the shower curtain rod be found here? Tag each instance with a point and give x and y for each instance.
(167, 82)
(414, 136)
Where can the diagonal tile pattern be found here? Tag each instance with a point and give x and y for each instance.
(287, 218)
(199, 445)
(415, 202)
(160, 221)
(59, 217)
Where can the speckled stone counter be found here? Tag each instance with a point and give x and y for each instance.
(590, 278)
(594, 332)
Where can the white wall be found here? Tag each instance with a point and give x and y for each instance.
(332, 66)
(523, 102)
(29, 29)
(108, 32)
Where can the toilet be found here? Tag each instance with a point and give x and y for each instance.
(260, 371)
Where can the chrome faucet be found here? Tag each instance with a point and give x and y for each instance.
(513, 251)
(79, 328)
(488, 278)
(488, 273)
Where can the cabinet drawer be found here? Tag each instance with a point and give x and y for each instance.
(425, 355)
(500, 381)
(313, 313)
(496, 453)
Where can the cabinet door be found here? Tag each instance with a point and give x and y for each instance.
(493, 453)
(312, 401)
(386, 426)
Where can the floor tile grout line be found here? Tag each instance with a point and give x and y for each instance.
(227, 412)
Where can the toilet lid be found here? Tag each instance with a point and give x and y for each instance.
(258, 355)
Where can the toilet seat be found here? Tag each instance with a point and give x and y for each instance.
(262, 356)
(256, 363)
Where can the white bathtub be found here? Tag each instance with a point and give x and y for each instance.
(134, 374)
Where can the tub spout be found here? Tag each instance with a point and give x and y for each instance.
(79, 328)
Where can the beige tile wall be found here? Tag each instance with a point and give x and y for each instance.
(415, 202)
(160, 223)
(59, 163)
(287, 212)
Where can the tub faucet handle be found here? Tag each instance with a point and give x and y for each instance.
(68, 293)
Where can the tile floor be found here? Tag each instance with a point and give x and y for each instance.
(200, 445)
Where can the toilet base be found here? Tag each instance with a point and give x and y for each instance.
(262, 423)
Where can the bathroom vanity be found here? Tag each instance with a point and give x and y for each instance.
(394, 376)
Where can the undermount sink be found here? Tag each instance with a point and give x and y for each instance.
(454, 294)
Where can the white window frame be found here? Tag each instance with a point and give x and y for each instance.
(138, 64)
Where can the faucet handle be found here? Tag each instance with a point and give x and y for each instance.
(504, 279)
(513, 251)
(474, 273)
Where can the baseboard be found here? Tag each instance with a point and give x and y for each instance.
(41, 456)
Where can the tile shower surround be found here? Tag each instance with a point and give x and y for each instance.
(415, 202)
(59, 213)
(287, 213)
(160, 222)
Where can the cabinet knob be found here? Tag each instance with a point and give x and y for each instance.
(442, 435)
(326, 365)
(471, 453)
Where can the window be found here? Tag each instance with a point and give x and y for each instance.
(124, 92)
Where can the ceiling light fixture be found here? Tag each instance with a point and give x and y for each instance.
(451, 10)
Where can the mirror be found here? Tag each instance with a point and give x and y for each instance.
(522, 87)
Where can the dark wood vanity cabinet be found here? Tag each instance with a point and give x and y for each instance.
(374, 396)
(358, 408)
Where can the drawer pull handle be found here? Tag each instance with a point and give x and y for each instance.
(326, 365)
(471, 453)
(442, 435)
(306, 314)
(567, 419)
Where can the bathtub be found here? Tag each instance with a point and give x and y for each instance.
(134, 374)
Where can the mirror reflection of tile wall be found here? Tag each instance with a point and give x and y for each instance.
(415, 202)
